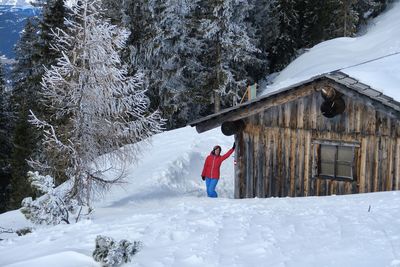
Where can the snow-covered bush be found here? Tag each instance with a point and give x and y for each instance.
(111, 253)
(54, 207)
(24, 231)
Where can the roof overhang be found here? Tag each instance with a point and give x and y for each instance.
(341, 81)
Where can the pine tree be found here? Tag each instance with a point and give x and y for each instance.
(266, 28)
(284, 48)
(229, 47)
(114, 10)
(53, 14)
(24, 98)
(346, 18)
(170, 58)
(367, 9)
(5, 143)
(102, 108)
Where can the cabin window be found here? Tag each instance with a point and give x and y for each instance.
(334, 160)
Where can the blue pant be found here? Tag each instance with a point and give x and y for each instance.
(211, 184)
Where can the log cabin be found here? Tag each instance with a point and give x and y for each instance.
(328, 135)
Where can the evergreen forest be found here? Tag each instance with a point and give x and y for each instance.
(191, 58)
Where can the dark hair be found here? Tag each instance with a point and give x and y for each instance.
(215, 148)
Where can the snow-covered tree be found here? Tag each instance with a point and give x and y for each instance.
(230, 48)
(367, 9)
(26, 77)
(5, 143)
(111, 253)
(285, 46)
(54, 207)
(101, 108)
(346, 18)
(170, 57)
(114, 10)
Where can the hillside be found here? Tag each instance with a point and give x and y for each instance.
(163, 202)
(12, 22)
(163, 205)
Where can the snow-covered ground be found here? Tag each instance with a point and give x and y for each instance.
(163, 204)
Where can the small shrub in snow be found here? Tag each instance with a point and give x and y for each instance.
(54, 207)
(24, 231)
(111, 253)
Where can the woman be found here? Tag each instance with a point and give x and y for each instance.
(211, 169)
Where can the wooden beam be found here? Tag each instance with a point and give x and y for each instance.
(254, 107)
(367, 100)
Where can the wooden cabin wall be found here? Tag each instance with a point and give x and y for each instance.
(276, 150)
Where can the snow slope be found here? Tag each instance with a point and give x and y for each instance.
(382, 38)
(164, 206)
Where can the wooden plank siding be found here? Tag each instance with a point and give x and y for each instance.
(277, 149)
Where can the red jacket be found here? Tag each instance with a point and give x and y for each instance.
(212, 164)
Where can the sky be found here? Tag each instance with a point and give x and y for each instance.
(163, 202)
(381, 39)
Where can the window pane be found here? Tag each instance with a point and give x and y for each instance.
(344, 170)
(328, 153)
(328, 169)
(345, 153)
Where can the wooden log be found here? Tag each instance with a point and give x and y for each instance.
(397, 166)
(248, 167)
(259, 158)
(299, 175)
(307, 157)
(363, 165)
(238, 166)
(390, 159)
(232, 127)
(286, 167)
(251, 108)
(300, 113)
(383, 164)
(315, 114)
(292, 163)
(376, 167)
(268, 156)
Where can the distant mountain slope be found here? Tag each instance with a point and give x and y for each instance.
(16, 2)
(12, 22)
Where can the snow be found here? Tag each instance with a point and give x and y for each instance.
(381, 39)
(164, 205)
(19, 3)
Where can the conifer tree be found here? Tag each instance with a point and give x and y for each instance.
(5, 143)
(230, 46)
(53, 14)
(33, 53)
(170, 60)
(346, 18)
(102, 107)
(24, 97)
(284, 48)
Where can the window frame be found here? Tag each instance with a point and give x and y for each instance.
(337, 144)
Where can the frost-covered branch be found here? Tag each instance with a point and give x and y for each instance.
(97, 108)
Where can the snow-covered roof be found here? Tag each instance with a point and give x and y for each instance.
(372, 59)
